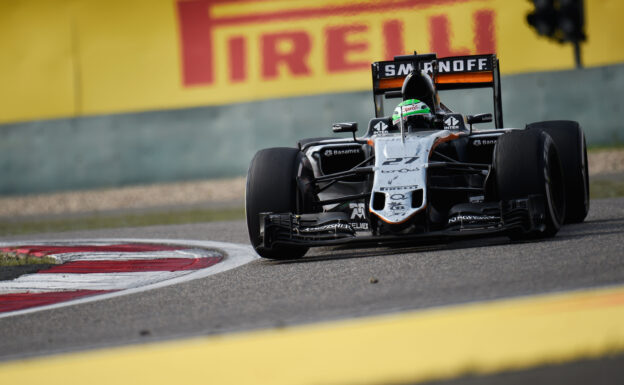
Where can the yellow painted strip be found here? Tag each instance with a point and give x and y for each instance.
(407, 347)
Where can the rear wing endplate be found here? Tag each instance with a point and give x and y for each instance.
(449, 73)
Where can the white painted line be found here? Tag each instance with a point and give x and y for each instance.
(235, 255)
(92, 281)
(107, 255)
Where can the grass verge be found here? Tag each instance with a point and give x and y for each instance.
(103, 221)
(605, 147)
(606, 188)
(13, 259)
(599, 188)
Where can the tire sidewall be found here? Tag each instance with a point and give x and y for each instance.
(555, 215)
(271, 187)
(526, 163)
(570, 141)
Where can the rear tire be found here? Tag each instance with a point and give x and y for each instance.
(570, 141)
(271, 187)
(526, 163)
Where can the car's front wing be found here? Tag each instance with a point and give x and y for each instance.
(326, 229)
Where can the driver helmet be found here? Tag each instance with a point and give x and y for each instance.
(415, 114)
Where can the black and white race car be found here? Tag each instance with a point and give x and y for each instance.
(422, 173)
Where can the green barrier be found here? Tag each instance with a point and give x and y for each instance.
(213, 142)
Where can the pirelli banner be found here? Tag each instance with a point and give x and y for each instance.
(63, 58)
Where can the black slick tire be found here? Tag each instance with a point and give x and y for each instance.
(527, 163)
(271, 187)
(570, 141)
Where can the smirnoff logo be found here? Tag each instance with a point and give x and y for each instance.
(445, 65)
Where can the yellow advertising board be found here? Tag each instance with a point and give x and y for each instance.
(64, 58)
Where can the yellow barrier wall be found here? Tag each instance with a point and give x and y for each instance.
(63, 58)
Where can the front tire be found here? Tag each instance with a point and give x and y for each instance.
(527, 163)
(271, 187)
(570, 141)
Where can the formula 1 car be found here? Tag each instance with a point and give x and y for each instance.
(421, 174)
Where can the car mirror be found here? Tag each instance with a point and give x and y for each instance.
(345, 127)
(479, 118)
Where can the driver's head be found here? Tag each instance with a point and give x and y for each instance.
(415, 114)
(418, 85)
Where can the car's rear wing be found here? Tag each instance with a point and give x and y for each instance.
(449, 73)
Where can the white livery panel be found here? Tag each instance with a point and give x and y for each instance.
(401, 174)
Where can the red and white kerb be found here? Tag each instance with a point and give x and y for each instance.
(98, 268)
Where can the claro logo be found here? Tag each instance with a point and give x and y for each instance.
(217, 43)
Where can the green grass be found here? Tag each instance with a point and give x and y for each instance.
(606, 188)
(602, 186)
(13, 259)
(599, 188)
(603, 147)
(104, 221)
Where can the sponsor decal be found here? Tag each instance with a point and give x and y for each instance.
(451, 123)
(358, 226)
(409, 108)
(380, 128)
(211, 36)
(393, 179)
(222, 51)
(451, 65)
(395, 188)
(445, 65)
(396, 206)
(329, 227)
(395, 161)
(402, 69)
(341, 151)
(483, 142)
(397, 197)
(473, 219)
(400, 171)
(357, 210)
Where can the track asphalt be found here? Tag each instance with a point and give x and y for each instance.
(336, 285)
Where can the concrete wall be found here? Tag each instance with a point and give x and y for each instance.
(208, 142)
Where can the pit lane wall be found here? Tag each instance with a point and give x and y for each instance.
(108, 93)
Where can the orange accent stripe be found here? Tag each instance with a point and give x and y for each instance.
(391, 83)
(448, 138)
(460, 78)
(474, 77)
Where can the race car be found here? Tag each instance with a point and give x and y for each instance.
(424, 173)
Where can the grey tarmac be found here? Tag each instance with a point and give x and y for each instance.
(328, 284)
